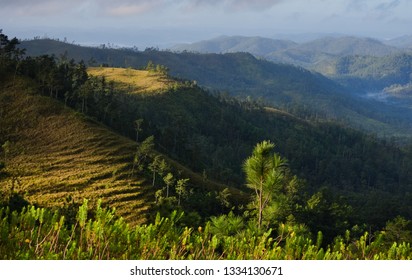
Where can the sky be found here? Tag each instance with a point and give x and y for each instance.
(163, 23)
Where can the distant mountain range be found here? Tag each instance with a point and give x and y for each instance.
(344, 45)
(227, 44)
(304, 54)
(360, 64)
(400, 42)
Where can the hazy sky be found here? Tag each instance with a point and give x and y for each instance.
(165, 22)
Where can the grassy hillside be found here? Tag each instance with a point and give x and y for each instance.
(132, 80)
(59, 156)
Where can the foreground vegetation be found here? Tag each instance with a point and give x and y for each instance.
(38, 233)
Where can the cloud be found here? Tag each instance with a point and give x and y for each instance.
(376, 10)
(120, 8)
(129, 8)
(374, 5)
(37, 7)
(388, 6)
(232, 5)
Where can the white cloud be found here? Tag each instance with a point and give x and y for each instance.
(233, 5)
(114, 8)
(131, 7)
(209, 16)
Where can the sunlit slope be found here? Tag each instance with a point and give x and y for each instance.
(133, 81)
(151, 83)
(58, 155)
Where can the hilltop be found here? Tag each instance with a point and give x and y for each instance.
(134, 81)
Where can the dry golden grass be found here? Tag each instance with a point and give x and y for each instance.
(59, 154)
(133, 81)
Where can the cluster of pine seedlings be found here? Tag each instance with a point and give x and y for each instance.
(97, 233)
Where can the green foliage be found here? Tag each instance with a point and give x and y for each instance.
(38, 233)
(226, 225)
(10, 56)
(398, 230)
(369, 73)
(276, 190)
(143, 152)
(181, 189)
(169, 181)
(138, 127)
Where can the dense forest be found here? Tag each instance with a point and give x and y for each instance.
(368, 73)
(220, 169)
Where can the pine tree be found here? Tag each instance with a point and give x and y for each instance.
(264, 174)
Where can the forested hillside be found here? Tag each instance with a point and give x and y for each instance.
(257, 46)
(296, 90)
(222, 169)
(370, 73)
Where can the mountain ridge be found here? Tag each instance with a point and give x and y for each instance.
(242, 74)
(303, 54)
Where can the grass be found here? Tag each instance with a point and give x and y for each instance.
(133, 81)
(58, 154)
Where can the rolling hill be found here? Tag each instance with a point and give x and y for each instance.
(348, 45)
(400, 42)
(308, 54)
(363, 62)
(258, 46)
(371, 73)
(290, 88)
